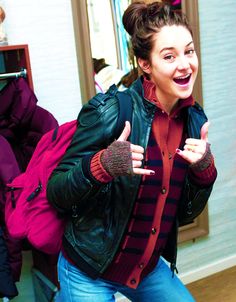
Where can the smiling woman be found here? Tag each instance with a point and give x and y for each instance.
(173, 66)
(199, 226)
(132, 192)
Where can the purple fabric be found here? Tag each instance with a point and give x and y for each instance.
(22, 124)
(22, 121)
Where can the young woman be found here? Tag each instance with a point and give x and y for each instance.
(128, 196)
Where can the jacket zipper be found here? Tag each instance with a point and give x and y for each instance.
(35, 192)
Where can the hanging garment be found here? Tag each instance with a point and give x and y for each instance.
(22, 124)
(7, 286)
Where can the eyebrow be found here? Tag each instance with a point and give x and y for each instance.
(171, 48)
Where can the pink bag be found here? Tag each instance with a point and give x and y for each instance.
(28, 213)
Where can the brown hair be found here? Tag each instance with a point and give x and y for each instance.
(142, 21)
(2, 14)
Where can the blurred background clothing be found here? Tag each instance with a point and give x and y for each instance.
(105, 75)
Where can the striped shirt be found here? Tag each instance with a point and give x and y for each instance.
(156, 205)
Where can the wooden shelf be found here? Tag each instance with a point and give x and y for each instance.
(14, 58)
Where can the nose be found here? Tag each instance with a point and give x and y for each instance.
(183, 63)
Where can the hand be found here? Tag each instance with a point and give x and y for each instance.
(195, 149)
(136, 152)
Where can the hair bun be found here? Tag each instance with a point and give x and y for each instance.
(133, 16)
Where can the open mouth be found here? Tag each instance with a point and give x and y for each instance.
(183, 80)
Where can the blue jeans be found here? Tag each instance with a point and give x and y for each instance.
(158, 286)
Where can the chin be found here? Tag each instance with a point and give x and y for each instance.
(185, 94)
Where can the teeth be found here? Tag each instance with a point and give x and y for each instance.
(183, 77)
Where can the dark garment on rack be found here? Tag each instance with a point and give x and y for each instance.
(22, 121)
(8, 169)
(22, 124)
(7, 285)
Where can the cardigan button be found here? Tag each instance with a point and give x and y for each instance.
(163, 191)
(154, 231)
(141, 266)
(132, 281)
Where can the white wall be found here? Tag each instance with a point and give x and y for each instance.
(47, 28)
(218, 43)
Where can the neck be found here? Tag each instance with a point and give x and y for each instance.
(167, 104)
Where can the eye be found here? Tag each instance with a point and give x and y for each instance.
(190, 52)
(169, 58)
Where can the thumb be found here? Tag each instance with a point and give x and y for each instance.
(125, 133)
(204, 131)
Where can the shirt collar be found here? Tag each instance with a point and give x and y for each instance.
(150, 94)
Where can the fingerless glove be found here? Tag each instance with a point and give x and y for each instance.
(205, 162)
(117, 159)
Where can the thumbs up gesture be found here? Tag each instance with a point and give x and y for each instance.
(124, 158)
(195, 149)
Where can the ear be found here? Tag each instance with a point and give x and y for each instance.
(144, 65)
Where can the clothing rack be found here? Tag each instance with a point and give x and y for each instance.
(17, 74)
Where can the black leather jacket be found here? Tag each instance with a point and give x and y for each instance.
(100, 212)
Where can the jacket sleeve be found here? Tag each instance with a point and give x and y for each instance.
(198, 184)
(196, 193)
(72, 183)
(193, 201)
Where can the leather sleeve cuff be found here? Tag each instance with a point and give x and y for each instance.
(86, 164)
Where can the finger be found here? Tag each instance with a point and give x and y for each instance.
(192, 141)
(125, 133)
(189, 156)
(136, 149)
(141, 171)
(201, 148)
(137, 156)
(192, 148)
(204, 132)
(137, 163)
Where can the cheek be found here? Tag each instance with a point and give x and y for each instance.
(163, 71)
(167, 70)
(195, 64)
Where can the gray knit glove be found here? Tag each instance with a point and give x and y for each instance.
(117, 159)
(205, 162)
